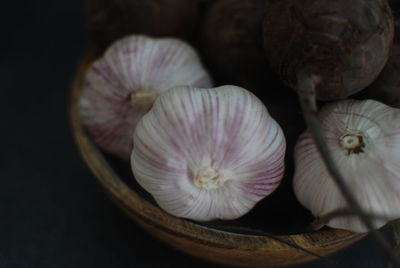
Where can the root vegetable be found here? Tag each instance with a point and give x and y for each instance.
(344, 44)
(111, 20)
(231, 41)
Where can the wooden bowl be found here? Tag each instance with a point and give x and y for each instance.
(234, 248)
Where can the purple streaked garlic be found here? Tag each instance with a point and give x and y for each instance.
(121, 86)
(208, 154)
(364, 138)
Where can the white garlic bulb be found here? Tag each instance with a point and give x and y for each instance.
(208, 153)
(364, 138)
(121, 86)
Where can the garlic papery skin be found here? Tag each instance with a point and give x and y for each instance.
(121, 86)
(208, 154)
(364, 139)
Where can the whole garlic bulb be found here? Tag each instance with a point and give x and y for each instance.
(364, 138)
(208, 153)
(121, 86)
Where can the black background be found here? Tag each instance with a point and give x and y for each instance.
(52, 211)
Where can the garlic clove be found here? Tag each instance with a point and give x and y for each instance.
(364, 138)
(208, 154)
(121, 86)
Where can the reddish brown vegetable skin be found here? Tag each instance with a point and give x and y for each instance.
(345, 43)
(231, 41)
(386, 88)
(113, 19)
(395, 5)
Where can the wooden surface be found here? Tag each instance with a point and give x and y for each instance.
(227, 248)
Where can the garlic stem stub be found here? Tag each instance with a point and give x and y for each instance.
(121, 86)
(364, 138)
(208, 154)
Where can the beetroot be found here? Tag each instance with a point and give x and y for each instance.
(395, 5)
(231, 41)
(344, 44)
(387, 87)
(329, 49)
(112, 19)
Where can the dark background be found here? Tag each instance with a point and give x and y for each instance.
(52, 211)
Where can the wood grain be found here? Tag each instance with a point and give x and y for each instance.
(234, 249)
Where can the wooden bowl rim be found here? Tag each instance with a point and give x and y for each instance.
(156, 217)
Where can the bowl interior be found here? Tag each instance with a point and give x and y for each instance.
(278, 214)
(275, 228)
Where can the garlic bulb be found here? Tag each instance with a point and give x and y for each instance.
(121, 86)
(208, 153)
(364, 138)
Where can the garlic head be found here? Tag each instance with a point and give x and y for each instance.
(121, 86)
(364, 138)
(208, 154)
